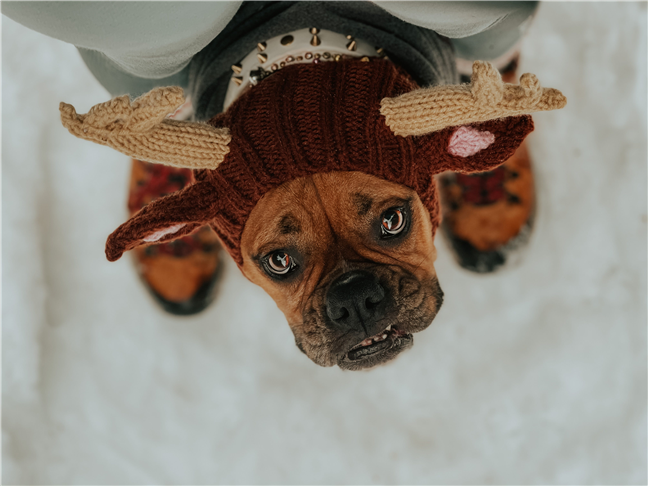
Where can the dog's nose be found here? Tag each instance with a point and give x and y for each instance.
(353, 300)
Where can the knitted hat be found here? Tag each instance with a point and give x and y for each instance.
(307, 119)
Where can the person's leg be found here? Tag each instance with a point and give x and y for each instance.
(498, 44)
(118, 82)
(488, 216)
(130, 47)
(181, 274)
(485, 31)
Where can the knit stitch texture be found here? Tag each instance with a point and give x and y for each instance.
(141, 130)
(307, 119)
(486, 98)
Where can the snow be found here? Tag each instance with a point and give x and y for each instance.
(536, 374)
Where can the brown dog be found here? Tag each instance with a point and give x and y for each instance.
(320, 184)
(322, 248)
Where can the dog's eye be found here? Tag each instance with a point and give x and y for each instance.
(393, 222)
(279, 263)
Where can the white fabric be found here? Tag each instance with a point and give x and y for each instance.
(146, 39)
(157, 39)
(451, 19)
(536, 375)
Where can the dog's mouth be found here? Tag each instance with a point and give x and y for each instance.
(377, 349)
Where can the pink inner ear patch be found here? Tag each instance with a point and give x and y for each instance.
(163, 232)
(467, 141)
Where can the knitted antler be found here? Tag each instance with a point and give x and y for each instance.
(141, 130)
(486, 98)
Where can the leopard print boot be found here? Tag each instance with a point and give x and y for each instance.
(488, 216)
(181, 274)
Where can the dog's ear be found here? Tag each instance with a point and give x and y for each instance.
(165, 219)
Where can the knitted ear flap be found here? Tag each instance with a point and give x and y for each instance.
(141, 130)
(477, 147)
(428, 110)
(165, 219)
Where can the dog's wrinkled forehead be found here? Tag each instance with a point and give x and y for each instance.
(325, 211)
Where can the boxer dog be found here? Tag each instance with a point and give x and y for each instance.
(365, 279)
(325, 198)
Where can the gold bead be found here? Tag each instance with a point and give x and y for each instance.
(338, 57)
(316, 56)
(300, 58)
(308, 55)
(351, 45)
(315, 41)
(350, 37)
(365, 59)
(282, 64)
(314, 30)
(262, 46)
(380, 50)
(238, 80)
(262, 58)
(290, 59)
(326, 55)
(274, 67)
(237, 68)
(287, 40)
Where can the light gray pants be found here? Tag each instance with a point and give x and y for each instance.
(134, 46)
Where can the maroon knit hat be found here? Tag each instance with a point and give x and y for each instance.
(314, 118)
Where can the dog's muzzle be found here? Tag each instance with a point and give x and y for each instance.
(356, 303)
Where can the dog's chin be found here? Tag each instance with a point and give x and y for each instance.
(376, 350)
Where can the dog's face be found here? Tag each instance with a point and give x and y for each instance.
(349, 259)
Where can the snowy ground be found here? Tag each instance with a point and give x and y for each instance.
(533, 375)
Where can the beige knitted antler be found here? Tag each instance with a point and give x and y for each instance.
(486, 98)
(141, 130)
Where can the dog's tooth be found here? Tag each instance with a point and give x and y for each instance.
(388, 328)
(384, 336)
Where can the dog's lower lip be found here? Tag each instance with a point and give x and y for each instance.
(365, 351)
(384, 340)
